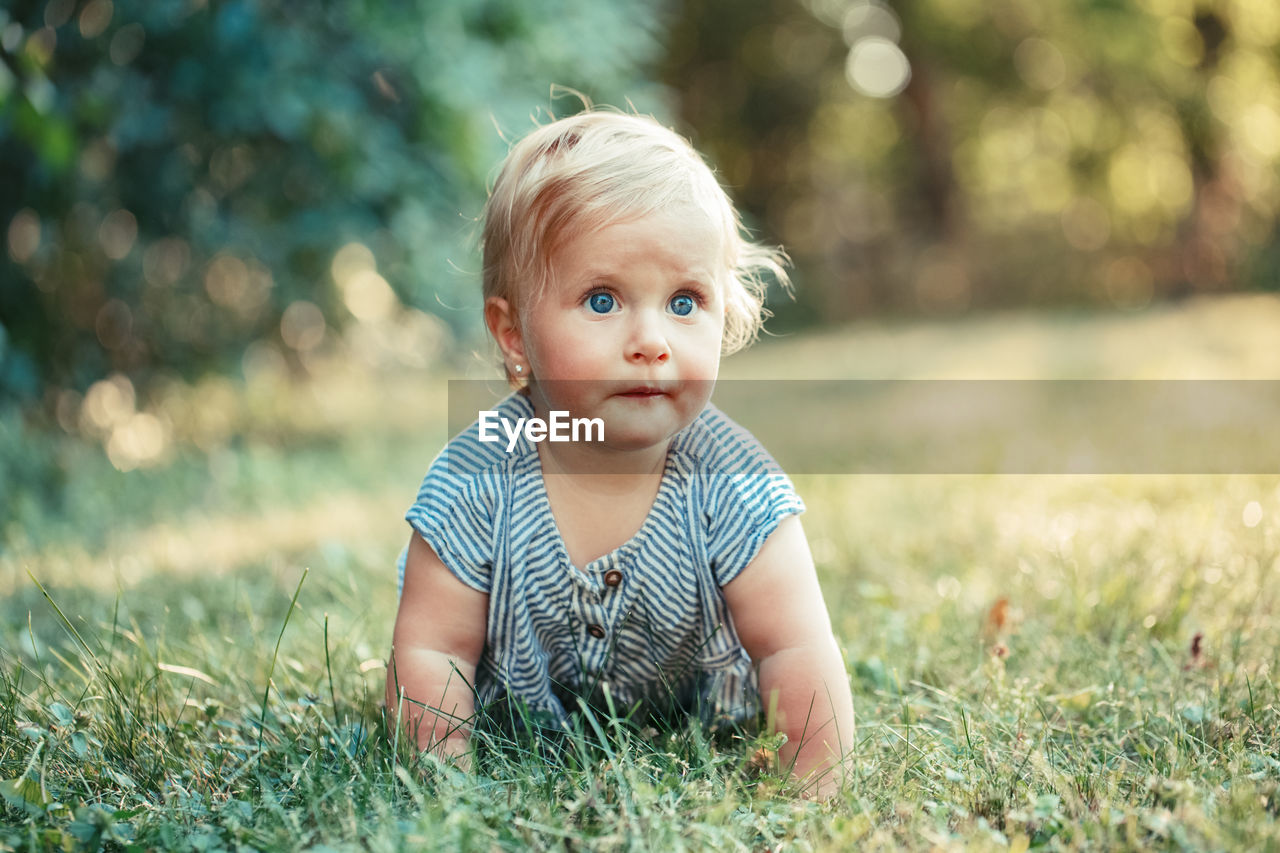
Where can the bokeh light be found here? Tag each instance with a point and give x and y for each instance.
(366, 294)
(118, 232)
(107, 403)
(127, 43)
(166, 261)
(877, 67)
(95, 17)
(24, 235)
(1040, 64)
(868, 19)
(302, 326)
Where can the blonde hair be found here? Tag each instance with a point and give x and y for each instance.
(599, 167)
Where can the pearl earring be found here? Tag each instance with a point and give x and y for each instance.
(519, 368)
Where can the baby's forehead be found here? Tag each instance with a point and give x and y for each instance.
(681, 235)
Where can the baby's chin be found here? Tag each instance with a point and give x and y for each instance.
(638, 440)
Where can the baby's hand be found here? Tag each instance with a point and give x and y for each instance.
(826, 787)
(452, 752)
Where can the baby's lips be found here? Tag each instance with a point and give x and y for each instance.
(643, 391)
(658, 386)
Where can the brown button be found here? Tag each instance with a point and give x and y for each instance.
(613, 577)
(596, 631)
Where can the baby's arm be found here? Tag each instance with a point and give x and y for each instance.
(439, 635)
(782, 621)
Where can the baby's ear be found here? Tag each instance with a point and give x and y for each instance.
(502, 322)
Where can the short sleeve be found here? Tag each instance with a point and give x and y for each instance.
(745, 512)
(454, 515)
(747, 497)
(458, 505)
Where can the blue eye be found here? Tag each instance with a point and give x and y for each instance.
(601, 303)
(682, 305)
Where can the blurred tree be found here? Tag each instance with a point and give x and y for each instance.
(177, 177)
(939, 155)
(181, 181)
(750, 79)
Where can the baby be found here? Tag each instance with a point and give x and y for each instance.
(659, 565)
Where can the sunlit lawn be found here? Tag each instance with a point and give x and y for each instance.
(1022, 649)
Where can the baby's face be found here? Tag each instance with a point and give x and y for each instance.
(630, 328)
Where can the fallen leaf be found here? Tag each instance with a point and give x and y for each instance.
(760, 762)
(1197, 658)
(997, 618)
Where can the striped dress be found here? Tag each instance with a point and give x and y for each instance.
(645, 625)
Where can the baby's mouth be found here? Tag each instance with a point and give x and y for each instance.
(643, 392)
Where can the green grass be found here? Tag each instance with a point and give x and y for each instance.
(162, 607)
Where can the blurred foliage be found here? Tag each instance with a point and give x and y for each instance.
(204, 189)
(201, 189)
(179, 177)
(943, 155)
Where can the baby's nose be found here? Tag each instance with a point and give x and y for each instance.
(648, 342)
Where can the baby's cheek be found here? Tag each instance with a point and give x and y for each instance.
(564, 363)
(702, 361)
